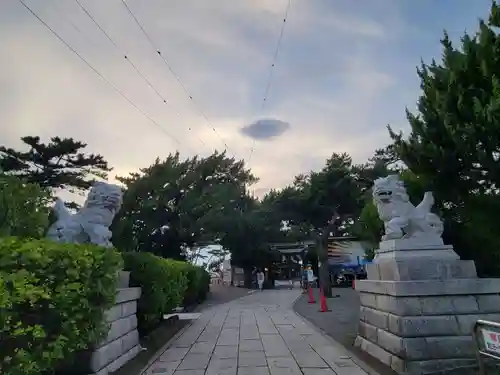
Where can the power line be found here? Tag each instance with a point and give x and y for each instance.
(127, 58)
(177, 78)
(271, 69)
(67, 45)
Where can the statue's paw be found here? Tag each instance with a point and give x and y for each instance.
(392, 236)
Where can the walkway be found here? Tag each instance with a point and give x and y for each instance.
(255, 335)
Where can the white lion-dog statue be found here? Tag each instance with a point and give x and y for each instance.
(91, 223)
(402, 220)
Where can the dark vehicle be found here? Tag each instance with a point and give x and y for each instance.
(361, 274)
(344, 278)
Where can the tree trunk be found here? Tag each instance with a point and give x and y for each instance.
(324, 270)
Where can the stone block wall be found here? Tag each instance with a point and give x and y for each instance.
(418, 327)
(122, 341)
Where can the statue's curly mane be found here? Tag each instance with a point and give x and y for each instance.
(104, 196)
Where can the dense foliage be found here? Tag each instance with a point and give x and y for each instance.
(454, 143)
(175, 204)
(52, 300)
(24, 209)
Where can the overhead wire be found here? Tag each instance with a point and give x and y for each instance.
(271, 69)
(177, 78)
(127, 58)
(67, 45)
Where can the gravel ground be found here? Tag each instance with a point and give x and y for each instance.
(341, 323)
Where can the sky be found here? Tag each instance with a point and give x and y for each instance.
(345, 69)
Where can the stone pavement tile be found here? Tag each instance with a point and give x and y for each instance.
(332, 355)
(310, 359)
(249, 333)
(194, 362)
(282, 362)
(253, 371)
(203, 347)
(225, 366)
(284, 371)
(346, 367)
(223, 363)
(173, 354)
(225, 351)
(190, 372)
(316, 340)
(318, 371)
(274, 346)
(297, 345)
(251, 359)
(229, 337)
(251, 345)
(232, 323)
(162, 368)
(267, 329)
(285, 327)
(209, 334)
(226, 371)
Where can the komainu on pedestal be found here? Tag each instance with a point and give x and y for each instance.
(420, 301)
(91, 225)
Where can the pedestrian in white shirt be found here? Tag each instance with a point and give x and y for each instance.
(260, 279)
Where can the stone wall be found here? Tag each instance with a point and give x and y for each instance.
(122, 341)
(417, 316)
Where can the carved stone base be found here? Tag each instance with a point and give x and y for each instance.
(424, 332)
(417, 315)
(413, 249)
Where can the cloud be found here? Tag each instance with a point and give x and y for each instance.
(265, 129)
(343, 72)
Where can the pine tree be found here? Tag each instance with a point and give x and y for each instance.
(57, 164)
(454, 143)
(455, 136)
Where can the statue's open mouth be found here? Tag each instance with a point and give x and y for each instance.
(384, 195)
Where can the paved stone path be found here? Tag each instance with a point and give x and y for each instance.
(255, 335)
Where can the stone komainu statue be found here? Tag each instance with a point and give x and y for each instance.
(402, 220)
(91, 223)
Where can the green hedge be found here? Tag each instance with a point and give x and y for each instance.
(163, 282)
(166, 284)
(52, 301)
(198, 284)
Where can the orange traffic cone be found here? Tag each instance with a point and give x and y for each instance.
(322, 301)
(311, 297)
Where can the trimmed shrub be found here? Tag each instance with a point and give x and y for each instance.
(52, 301)
(193, 284)
(198, 284)
(204, 284)
(163, 282)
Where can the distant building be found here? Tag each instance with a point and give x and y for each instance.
(345, 250)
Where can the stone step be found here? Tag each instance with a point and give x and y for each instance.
(183, 316)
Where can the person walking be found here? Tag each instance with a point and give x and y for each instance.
(304, 279)
(260, 279)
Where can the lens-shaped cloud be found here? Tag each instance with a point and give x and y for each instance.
(265, 129)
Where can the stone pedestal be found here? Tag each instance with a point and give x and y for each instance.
(122, 341)
(418, 307)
